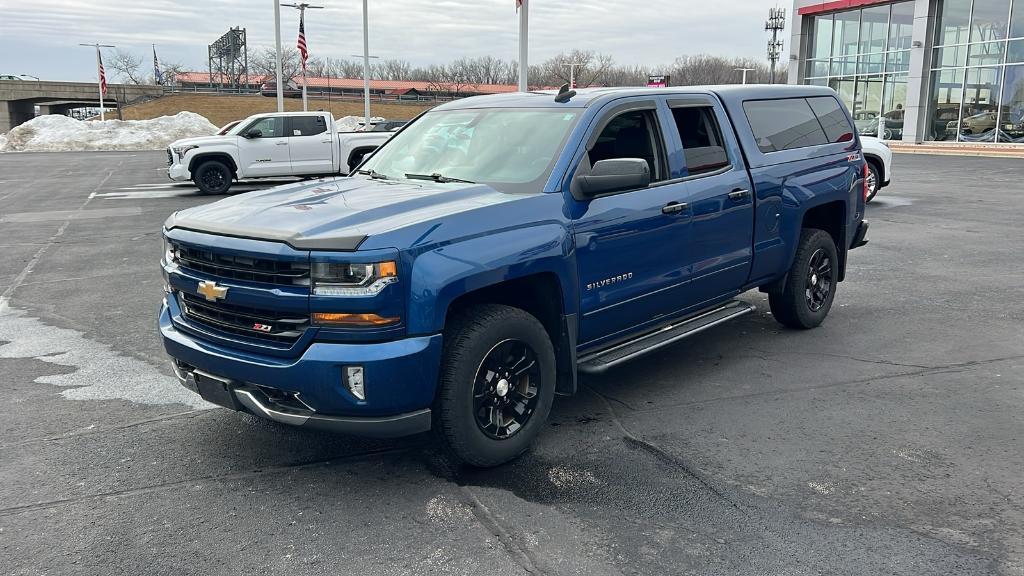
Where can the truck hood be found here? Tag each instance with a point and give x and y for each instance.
(203, 141)
(336, 213)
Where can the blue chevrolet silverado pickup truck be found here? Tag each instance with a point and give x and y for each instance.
(498, 246)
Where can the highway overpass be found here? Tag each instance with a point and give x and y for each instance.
(18, 98)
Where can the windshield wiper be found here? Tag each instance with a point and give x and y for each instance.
(372, 174)
(437, 177)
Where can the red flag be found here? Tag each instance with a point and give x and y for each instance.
(301, 44)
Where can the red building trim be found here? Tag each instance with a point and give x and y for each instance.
(837, 5)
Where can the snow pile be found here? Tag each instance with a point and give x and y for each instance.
(353, 123)
(54, 133)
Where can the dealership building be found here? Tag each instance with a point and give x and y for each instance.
(917, 70)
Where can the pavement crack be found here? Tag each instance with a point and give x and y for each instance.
(846, 356)
(483, 515)
(664, 456)
(92, 430)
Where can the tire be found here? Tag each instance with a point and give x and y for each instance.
(874, 181)
(213, 177)
(475, 393)
(805, 298)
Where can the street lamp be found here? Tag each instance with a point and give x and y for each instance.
(36, 78)
(744, 70)
(277, 64)
(366, 83)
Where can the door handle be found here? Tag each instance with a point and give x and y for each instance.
(738, 194)
(328, 141)
(282, 143)
(674, 207)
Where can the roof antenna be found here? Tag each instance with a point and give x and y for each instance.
(564, 94)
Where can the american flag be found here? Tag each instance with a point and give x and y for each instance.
(519, 4)
(301, 44)
(103, 73)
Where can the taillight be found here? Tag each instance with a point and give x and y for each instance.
(865, 181)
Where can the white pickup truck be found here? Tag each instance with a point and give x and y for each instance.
(269, 145)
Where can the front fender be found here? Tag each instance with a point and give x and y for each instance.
(228, 153)
(441, 275)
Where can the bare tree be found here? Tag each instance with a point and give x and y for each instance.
(128, 67)
(392, 69)
(264, 62)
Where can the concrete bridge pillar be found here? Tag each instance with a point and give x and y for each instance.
(14, 112)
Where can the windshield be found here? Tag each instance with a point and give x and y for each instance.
(510, 150)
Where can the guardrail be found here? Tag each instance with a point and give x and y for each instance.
(317, 92)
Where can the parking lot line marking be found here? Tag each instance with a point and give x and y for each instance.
(69, 215)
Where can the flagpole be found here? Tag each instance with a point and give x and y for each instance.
(366, 69)
(524, 43)
(302, 33)
(99, 75)
(277, 63)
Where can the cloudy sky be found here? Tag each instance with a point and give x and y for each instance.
(41, 37)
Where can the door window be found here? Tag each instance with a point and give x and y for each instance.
(631, 134)
(702, 140)
(271, 127)
(307, 125)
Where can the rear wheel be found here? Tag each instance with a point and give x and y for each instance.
(213, 177)
(810, 285)
(497, 384)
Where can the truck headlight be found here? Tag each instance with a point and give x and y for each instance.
(333, 279)
(182, 150)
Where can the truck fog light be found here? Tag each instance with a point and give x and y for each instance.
(354, 381)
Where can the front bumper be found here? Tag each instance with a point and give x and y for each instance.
(179, 173)
(400, 379)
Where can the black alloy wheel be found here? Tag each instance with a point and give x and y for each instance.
(505, 393)
(819, 280)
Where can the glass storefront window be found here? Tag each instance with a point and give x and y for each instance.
(989, 20)
(847, 27)
(901, 26)
(1017, 20)
(954, 22)
(944, 103)
(1015, 51)
(1011, 122)
(894, 96)
(871, 64)
(897, 61)
(874, 24)
(950, 56)
(817, 68)
(821, 37)
(985, 54)
(981, 105)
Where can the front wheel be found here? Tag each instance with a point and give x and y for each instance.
(873, 182)
(810, 285)
(497, 384)
(213, 177)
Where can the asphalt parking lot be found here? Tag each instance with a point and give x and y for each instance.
(888, 441)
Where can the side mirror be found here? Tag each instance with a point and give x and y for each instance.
(614, 175)
(253, 133)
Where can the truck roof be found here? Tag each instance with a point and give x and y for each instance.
(586, 97)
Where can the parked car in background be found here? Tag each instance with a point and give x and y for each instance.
(290, 89)
(879, 159)
(9, 77)
(975, 124)
(500, 245)
(386, 126)
(269, 145)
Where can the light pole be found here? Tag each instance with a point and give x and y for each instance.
(524, 42)
(366, 84)
(744, 70)
(277, 41)
(572, 72)
(302, 20)
(101, 74)
(36, 78)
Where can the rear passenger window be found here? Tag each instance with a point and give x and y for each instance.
(832, 117)
(308, 125)
(702, 140)
(630, 135)
(783, 124)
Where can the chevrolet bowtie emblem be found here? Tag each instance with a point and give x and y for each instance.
(211, 291)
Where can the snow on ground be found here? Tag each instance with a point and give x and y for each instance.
(351, 123)
(53, 132)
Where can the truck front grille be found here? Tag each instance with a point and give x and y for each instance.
(277, 272)
(242, 320)
(170, 157)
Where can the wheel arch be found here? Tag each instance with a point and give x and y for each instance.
(224, 157)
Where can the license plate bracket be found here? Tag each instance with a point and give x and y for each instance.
(217, 391)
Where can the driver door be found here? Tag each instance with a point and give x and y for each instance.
(263, 148)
